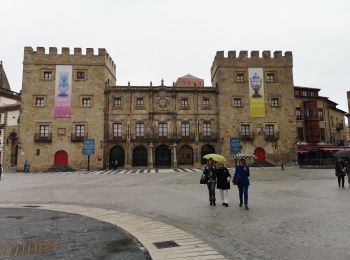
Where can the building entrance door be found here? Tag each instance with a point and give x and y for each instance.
(61, 158)
(260, 154)
(163, 156)
(139, 156)
(185, 155)
(116, 154)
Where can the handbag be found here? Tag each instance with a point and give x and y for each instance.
(204, 179)
(235, 181)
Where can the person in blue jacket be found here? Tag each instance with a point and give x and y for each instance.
(241, 179)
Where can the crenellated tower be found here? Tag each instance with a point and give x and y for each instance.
(62, 103)
(256, 103)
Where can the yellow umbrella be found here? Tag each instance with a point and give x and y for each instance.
(215, 157)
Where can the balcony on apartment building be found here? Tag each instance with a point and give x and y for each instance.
(339, 126)
(244, 136)
(208, 136)
(271, 136)
(77, 137)
(117, 137)
(43, 138)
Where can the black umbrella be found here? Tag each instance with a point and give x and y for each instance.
(342, 154)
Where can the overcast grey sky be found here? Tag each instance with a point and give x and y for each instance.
(154, 39)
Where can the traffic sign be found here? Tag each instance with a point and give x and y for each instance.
(89, 146)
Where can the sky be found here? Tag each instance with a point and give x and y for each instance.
(150, 40)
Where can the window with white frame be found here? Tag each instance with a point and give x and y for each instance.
(205, 102)
(86, 102)
(47, 74)
(240, 77)
(270, 77)
(44, 131)
(139, 102)
(184, 102)
(237, 102)
(245, 129)
(274, 102)
(79, 130)
(117, 130)
(118, 102)
(163, 129)
(206, 129)
(185, 129)
(270, 130)
(39, 101)
(140, 129)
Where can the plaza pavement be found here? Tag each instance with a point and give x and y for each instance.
(294, 214)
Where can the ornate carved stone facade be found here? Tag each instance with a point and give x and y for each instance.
(159, 126)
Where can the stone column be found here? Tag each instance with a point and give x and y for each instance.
(175, 159)
(127, 156)
(150, 156)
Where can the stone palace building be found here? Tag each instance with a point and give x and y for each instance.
(251, 106)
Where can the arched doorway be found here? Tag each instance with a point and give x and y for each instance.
(139, 156)
(116, 153)
(185, 155)
(206, 149)
(163, 156)
(260, 154)
(61, 158)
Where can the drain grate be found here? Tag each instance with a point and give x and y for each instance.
(31, 206)
(165, 244)
(30, 248)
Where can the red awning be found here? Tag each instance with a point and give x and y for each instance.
(305, 148)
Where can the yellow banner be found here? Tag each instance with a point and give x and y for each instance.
(256, 92)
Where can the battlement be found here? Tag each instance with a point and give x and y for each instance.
(66, 56)
(254, 59)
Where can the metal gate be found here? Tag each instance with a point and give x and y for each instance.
(116, 153)
(185, 155)
(206, 149)
(163, 156)
(139, 156)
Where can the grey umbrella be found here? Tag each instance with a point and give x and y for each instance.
(342, 154)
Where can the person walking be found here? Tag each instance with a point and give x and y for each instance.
(340, 171)
(210, 173)
(1, 170)
(347, 171)
(241, 179)
(223, 182)
(26, 166)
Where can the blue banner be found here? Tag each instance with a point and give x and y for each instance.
(235, 145)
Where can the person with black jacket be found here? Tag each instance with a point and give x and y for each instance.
(223, 183)
(211, 176)
(340, 171)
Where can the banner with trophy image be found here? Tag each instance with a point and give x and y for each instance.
(63, 91)
(256, 92)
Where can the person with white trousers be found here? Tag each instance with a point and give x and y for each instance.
(223, 183)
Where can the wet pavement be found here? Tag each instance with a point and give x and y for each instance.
(294, 214)
(32, 233)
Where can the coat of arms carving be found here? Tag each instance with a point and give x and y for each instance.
(162, 103)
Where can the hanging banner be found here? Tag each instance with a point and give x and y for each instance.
(256, 92)
(63, 91)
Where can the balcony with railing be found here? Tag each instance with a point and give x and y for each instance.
(40, 138)
(339, 126)
(208, 136)
(77, 138)
(244, 136)
(117, 137)
(271, 136)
